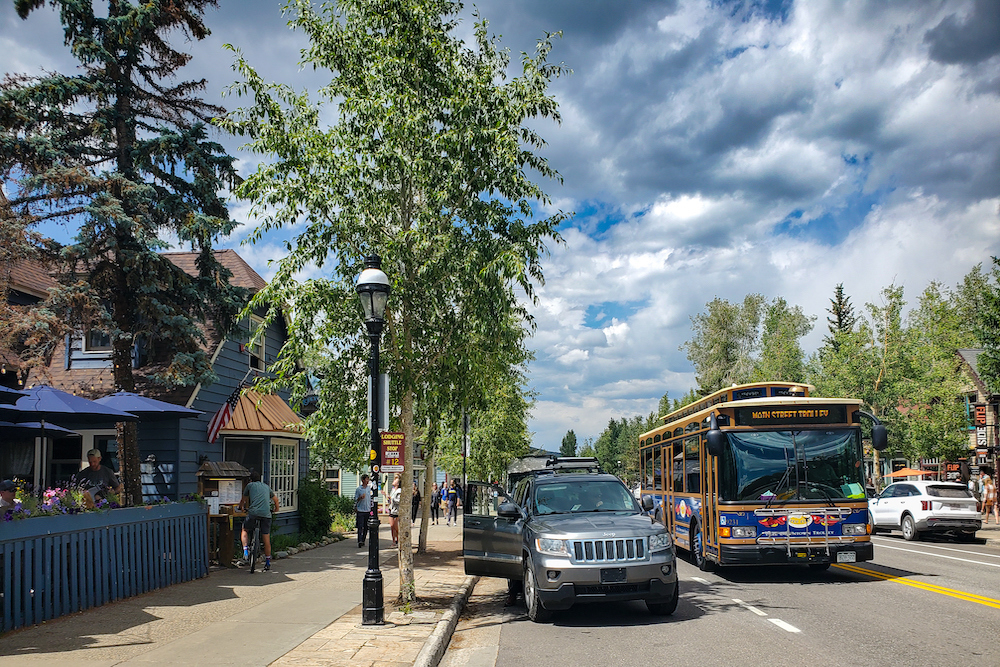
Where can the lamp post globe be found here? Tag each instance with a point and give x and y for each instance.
(373, 293)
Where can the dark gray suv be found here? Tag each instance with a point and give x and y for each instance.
(569, 538)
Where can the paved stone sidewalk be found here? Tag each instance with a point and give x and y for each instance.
(440, 578)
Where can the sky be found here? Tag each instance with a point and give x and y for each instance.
(707, 149)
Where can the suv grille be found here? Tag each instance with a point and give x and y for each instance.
(609, 551)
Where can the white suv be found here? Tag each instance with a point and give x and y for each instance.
(919, 507)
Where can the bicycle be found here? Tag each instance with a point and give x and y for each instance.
(255, 546)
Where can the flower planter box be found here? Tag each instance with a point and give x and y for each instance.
(56, 565)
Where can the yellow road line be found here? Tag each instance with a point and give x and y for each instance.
(941, 590)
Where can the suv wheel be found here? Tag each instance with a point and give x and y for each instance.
(536, 610)
(667, 607)
(909, 527)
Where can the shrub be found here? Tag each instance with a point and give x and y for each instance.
(315, 506)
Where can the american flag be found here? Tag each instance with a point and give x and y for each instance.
(221, 418)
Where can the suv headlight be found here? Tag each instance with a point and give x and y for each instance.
(855, 529)
(659, 542)
(552, 547)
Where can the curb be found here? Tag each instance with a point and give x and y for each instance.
(432, 652)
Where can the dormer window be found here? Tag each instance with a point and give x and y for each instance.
(255, 348)
(96, 340)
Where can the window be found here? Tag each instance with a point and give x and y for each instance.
(255, 348)
(692, 464)
(678, 467)
(332, 477)
(248, 452)
(657, 471)
(95, 340)
(284, 471)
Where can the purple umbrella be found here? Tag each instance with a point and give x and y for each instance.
(46, 403)
(33, 428)
(146, 408)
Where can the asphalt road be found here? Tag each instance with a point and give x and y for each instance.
(918, 603)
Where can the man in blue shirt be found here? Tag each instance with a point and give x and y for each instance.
(362, 508)
(258, 501)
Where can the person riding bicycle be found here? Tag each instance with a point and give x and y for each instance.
(258, 501)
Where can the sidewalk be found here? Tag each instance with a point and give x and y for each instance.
(306, 612)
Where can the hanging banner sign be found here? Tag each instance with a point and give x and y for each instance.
(393, 449)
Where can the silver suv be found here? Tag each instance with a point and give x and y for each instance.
(569, 538)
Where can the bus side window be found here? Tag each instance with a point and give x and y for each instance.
(647, 468)
(657, 469)
(678, 467)
(692, 464)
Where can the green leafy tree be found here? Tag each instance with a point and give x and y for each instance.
(664, 405)
(568, 446)
(120, 152)
(781, 356)
(987, 330)
(587, 449)
(725, 341)
(608, 447)
(426, 163)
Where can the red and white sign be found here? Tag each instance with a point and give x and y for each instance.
(393, 451)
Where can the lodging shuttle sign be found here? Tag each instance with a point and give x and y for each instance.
(393, 449)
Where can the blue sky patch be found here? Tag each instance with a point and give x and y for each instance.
(599, 315)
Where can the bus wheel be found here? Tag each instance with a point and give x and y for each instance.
(697, 553)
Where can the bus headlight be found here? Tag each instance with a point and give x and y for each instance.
(552, 547)
(659, 542)
(744, 531)
(855, 529)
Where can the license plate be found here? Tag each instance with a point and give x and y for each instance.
(846, 557)
(613, 575)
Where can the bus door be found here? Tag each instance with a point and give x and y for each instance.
(678, 509)
(709, 497)
(661, 463)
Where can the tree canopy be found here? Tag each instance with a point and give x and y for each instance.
(429, 162)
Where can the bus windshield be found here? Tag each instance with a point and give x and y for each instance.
(777, 466)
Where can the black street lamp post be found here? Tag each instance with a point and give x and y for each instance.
(373, 291)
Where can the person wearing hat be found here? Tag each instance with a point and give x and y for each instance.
(96, 480)
(7, 489)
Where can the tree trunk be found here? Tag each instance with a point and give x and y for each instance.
(407, 584)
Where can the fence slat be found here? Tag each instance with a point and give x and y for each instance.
(53, 566)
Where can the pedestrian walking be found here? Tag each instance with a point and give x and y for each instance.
(395, 493)
(452, 500)
(435, 504)
(990, 500)
(415, 507)
(362, 508)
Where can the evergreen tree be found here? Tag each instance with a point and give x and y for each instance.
(842, 318)
(781, 355)
(122, 153)
(568, 446)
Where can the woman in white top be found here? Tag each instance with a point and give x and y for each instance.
(393, 503)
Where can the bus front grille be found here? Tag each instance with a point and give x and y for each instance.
(621, 550)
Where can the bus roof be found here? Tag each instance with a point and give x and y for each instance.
(740, 392)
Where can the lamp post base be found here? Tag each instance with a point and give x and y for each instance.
(372, 605)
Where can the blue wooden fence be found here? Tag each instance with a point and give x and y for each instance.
(52, 566)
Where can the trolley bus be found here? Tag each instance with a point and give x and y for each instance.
(762, 473)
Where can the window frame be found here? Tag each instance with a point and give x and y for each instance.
(284, 481)
(256, 343)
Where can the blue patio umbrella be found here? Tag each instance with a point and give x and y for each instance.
(146, 408)
(33, 428)
(10, 396)
(48, 404)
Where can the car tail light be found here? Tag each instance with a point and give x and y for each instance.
(925, 505)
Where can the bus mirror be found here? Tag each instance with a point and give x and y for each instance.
(879, 438)
(647, 503)
(716, 442)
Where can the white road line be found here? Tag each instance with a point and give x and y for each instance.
(934, 546)
(927, 553)
(784, 626)
(701, 581)
(750, 607)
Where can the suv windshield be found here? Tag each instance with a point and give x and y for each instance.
(583, 496)
(792, 465)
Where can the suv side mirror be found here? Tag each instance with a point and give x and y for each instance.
(879, 438)
(509, 511)
(647, 503)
